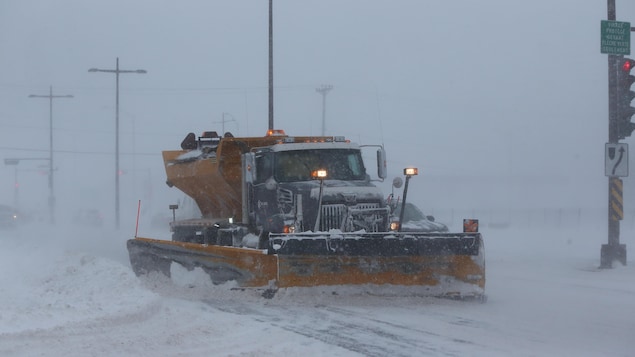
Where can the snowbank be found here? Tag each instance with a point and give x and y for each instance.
(69, 293)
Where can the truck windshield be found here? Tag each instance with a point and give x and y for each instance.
(341, 164)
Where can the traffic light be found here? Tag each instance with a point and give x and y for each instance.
(624, 97)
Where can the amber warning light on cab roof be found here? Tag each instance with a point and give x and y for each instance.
(276, 132)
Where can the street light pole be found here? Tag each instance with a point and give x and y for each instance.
(324, 90)
(50, 96)
(117, 71)
(271, 65)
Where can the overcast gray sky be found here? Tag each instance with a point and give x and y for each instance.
(499, 102)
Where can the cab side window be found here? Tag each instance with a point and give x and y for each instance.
(263, 168)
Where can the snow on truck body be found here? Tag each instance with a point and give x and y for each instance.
(318, 217)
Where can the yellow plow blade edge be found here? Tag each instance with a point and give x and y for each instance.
(454, 272)
(248, 267)
(307, 271)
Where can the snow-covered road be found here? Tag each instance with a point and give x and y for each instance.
(68, 293)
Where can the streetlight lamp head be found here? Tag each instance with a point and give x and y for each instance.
(142, 71)
(93, 70)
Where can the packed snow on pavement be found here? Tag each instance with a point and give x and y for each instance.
(70, 291)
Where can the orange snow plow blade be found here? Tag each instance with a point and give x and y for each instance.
(439, 264)
(248, 267)
(309, 271)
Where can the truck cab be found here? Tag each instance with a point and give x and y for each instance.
(283, 192)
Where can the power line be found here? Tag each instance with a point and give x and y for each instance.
(168, 89)
(80, 152)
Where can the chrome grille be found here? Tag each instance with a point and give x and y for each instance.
(351, 218)
(332, 216)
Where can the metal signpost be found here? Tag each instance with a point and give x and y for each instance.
(14, 162)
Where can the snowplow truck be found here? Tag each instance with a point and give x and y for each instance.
(285, 211)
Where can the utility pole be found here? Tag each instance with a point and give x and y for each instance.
(324, 90)
(117, 71)
(51, 200)
(223, 121)
(271, 65)
(620, 126)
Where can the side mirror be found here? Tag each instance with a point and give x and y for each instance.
(382, 171)
(397, 182)
(249, 167)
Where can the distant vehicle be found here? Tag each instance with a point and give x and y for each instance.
(89, 217)
(415, 221)
(8, 216)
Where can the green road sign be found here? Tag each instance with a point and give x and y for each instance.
(616, 38)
